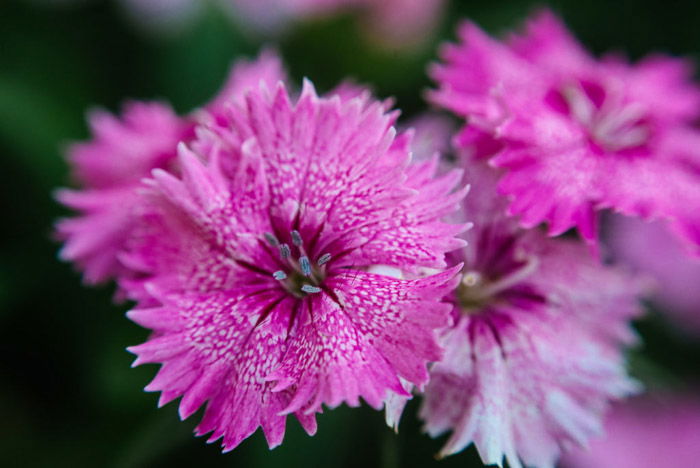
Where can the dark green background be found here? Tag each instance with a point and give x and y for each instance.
(67, 394)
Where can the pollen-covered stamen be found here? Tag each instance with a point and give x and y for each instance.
(471, 279)
(613, 125)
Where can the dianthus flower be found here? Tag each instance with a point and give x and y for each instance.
(532, 356)
(656, 431)
(123, 151)
(576, 134)
(109, 169)
(259, 254)
(650, 249)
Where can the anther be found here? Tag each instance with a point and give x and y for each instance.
(305, 265)
(279, 275)
(296, 238)
(323, 259)
(307, 288)
(471, 279)
(271, 239)
(285, 252)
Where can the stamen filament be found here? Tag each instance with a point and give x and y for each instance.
(512, 279)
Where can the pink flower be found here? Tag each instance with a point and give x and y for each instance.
(109, 168)
(403, 23)
(123, 151)
(532, 357)
(399, 24)
(259, 255)
(658, 432)
(164, 16)
(649, 248)
(578, 134)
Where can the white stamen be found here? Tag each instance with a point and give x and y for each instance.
(323, 259)
(296, 238)
(279, 275)
(285, 252)
(271, 239)
(305, 265)
(512, 279)
(471, 279)
(307, 288)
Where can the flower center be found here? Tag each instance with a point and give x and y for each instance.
(611, 123)
(300, 276)
(475, 291)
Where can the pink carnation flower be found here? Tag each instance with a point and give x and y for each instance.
(576, 134)
(259, 255)
(110, 168)
(658, 432)
(123, 151)
(650, 249)
(533, 354)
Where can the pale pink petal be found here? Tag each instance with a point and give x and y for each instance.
(533, 356)
(649, 248)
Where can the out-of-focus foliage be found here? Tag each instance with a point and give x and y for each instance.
(67, 394)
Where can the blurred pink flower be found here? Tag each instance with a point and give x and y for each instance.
(258, 254)
(403, 24)
(110, 169)
(399, 24)
(649, 248)
(164, 16)
(123, 151)
(576, 134)
(650, 432)
(534, 352)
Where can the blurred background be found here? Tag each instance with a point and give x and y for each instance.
(67, 394)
